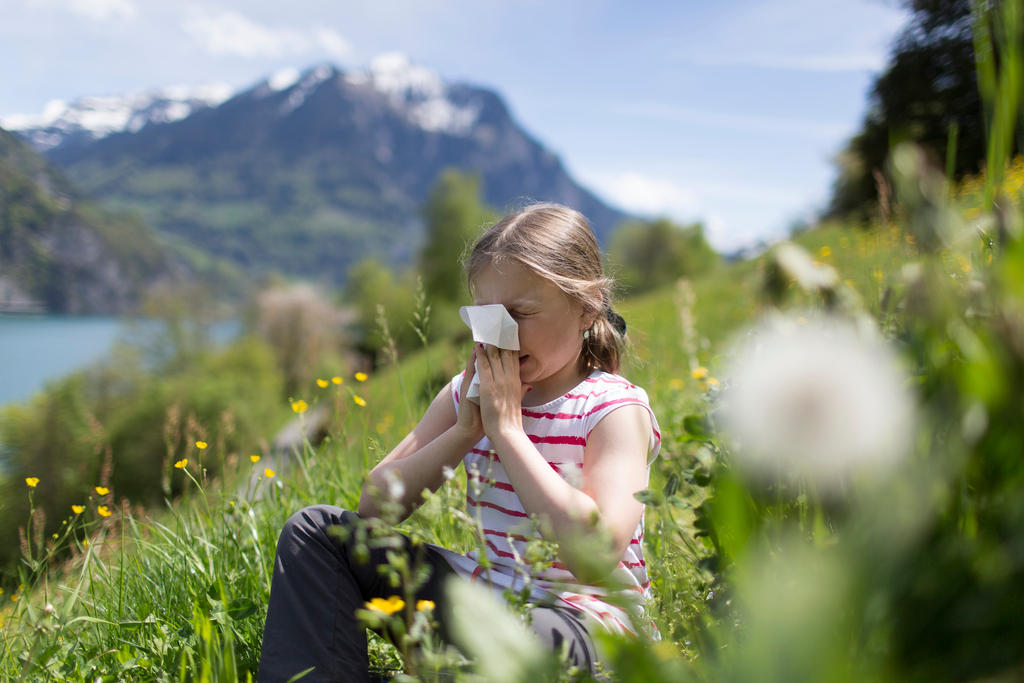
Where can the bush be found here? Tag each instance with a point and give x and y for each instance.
(648, 255)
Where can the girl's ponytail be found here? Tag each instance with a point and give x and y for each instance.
(603, 341)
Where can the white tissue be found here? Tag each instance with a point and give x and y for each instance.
(490, 324)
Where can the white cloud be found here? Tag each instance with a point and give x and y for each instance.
(735, 215)
(643, 194)
(331, 42)
(97, 10)
(226, 32)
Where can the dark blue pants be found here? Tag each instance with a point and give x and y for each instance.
(318, 585)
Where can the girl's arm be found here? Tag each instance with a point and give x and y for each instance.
(593, 524)
(441, 438)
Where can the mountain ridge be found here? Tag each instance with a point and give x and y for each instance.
(307, 172)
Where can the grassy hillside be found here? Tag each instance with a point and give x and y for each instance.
(180, 594)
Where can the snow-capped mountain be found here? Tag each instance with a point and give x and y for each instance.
(304, 171)
(415, 91)
(95, 117)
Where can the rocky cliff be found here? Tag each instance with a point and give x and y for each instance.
(60, 253)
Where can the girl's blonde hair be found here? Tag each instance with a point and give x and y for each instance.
(556, 243)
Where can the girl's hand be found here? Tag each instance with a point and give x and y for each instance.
(469, 421)
(501, 391)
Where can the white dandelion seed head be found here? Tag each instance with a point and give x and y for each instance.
(816, 399)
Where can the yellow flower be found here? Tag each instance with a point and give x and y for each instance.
(825, 252)
(337, 380)
(322, 383)
(254, 458)
(299, 406)
(424, 605)
(269, 472)
(103, 510)
(31, 481)
(201, 445)
(14, 598)
(386, 605)
(102, 490)
(676, 383)
(181, 464)
(359, 400)
(361, 377)
(78, 509)
(700, 372)
(712, 381)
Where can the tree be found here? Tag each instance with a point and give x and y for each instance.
(928, 94)
(373, 286)
(454, 214)
(651, 254)
(302, 327)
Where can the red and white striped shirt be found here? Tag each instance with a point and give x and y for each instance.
(559, 429)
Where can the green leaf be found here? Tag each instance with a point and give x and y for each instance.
(697, 426)
(649, 497)
(671, 484)
(240, 609)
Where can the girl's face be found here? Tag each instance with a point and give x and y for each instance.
(551, 326)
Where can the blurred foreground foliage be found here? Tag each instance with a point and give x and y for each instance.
(912, 575)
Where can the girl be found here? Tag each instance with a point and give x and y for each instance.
(556, 448)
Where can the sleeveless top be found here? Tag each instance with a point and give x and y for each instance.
(559, 429)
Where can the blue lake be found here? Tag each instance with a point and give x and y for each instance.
(37, 348)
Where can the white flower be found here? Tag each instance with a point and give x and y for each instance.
(817, 399)
(395, 487)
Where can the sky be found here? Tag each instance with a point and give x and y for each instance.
(728, 112)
